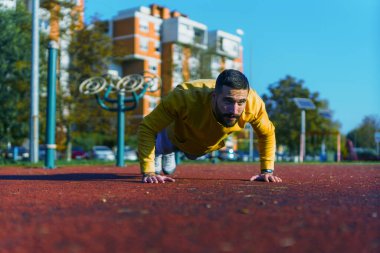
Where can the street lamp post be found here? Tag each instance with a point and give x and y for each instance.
(377, 140)
(302, 137)
(303, 104)
(34, 87)
(240, 32)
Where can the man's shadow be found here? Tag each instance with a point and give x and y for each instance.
(76, 177)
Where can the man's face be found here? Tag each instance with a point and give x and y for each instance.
(229, 105)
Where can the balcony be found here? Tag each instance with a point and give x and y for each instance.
(185, 31)
(224, 44)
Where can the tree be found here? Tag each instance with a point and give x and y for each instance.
(287, 117)
(90, 54)
(15, 73)
(363, 135)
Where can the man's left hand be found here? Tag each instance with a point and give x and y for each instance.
(266, 177)
(156, 179)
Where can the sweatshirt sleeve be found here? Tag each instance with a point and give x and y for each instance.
(265, 132)
(164, 114)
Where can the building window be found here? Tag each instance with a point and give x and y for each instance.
(177, 58)
(177, 54)
(157, 29)
(144, 25)
(177, 49)
(229, 64)
(153, 67)
(184, 28)
(229, 46)
(144, 44)
(177, 69)
(199, 36)
(215, 62)
(157, 46)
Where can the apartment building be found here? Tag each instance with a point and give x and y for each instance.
(225, 52)
(171, 45)
(136, 35)
(184, 42)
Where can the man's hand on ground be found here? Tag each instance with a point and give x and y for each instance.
(156, 179)
(266, 177)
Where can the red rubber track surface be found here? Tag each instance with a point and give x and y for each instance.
(210, 208)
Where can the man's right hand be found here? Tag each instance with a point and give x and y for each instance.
(156, 179)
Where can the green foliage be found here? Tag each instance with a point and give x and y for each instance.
(90, 53)
(15, 73)
(286, 117)
(363, 136)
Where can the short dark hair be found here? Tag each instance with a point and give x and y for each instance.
(231, 78)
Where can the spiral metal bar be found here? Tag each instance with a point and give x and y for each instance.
(130, 83)
(93, 85)
(152, 80)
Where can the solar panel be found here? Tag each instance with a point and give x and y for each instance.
(327, 114)
(304, 103)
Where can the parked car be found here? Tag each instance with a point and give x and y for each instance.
(102, 153)
(18, 153)
(366, 154)
(228, 155)
(78, 153)
(205, 157)
(243, 156)
(130, 154)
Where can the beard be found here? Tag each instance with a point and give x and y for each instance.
(226, 119)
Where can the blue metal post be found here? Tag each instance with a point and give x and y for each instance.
(177, 158)
(51, 106)
(15, 153)
(120, 129)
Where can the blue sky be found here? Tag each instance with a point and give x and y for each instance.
(333, 45)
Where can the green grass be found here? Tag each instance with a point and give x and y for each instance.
(64, 163)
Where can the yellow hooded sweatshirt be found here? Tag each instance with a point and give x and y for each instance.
(187, 114)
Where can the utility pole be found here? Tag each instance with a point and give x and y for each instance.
(240, 32)
(34, 86)
(303, 104)
(302, 136)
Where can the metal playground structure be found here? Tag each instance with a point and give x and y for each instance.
(112, 93)
(117, 94)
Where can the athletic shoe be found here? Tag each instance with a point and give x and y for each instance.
(168, 163)
(158, 164)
